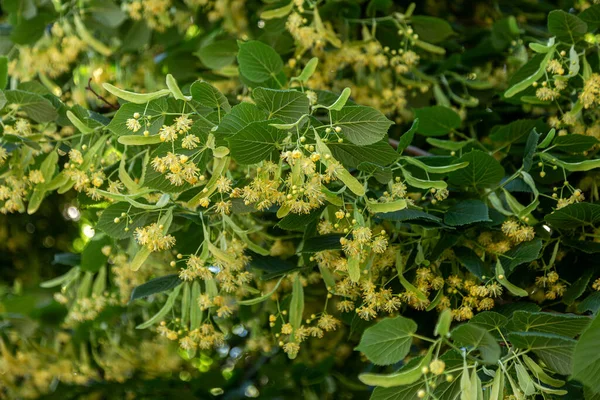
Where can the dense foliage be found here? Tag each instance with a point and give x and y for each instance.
(307, 199)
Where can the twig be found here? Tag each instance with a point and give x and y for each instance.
(89, 87)
(413, 150)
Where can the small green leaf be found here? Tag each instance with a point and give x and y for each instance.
(443, 324)
(408, 374)
(38, 108)
(361, 125)
(218, 54)
(277, 12)
(297, 303)
(407, 138)
(163, 311)
(262, 298)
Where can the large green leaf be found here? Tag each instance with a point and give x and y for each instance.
(154, 109)
(351, 155)
(575, 216)
(209, 96)
(483, 171)
(219, 54)
(388, 341)
(361, 125)
(256, 142)
(476, 337)
(556, 351)
(436, 120)
(591, 16)
(116, 230)
(37, 107)
(586, 357)
(489, 320)
(575, 143)
(241, 115)
(569, 325)
(286, 105)
(566, 27)
(513, 131)
(258, 61)
(405, 392)
(467, 212)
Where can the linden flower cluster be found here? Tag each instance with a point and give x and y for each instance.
(590, 95)
(576, 197)
(178, 168)
(516, 232)
(553, 289)
(155, 13)
(153, 237)
(86, 308)
(204, 338)
(51, 56)
(231, 267)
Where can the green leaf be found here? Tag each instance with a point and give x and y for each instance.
(286, 105)
(483, 171)
(554, 350)
(575, 216)
(523, 253)
(431, 29)
(525, 381)
(590, 303)
(299, 222)
(442, 327)
(258, 62)
(489, 320)
(407, 375)
(241, 115)
(264, 297)
(3, 72)
(106, 12)
(256, 142)
(569, 325)
(297, 303)
(436, 120)
(407, 138)
(92, 257)
(512, 288)
(529, 73)
(35, 106)
(351, 155)
(467, 212)
(279, 12)
(513, 131)
(566, 27)
(136, 98)
(209, 96)
(443, 169)
(405, 392)
(586, 358)
(320, 243)
(591, 16)
(410, 215)
(575, 143)
(218, 54)
(388, 341)
(308, 70)
(155, 109)
(340, 102)
(156, 285)
(471, 261)
(577, 288)
(107, 224)
(476, 337)
(163, 311)
(447, 144)
(422, 183)
(361, 125)
(530, 147)
(582, 166)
